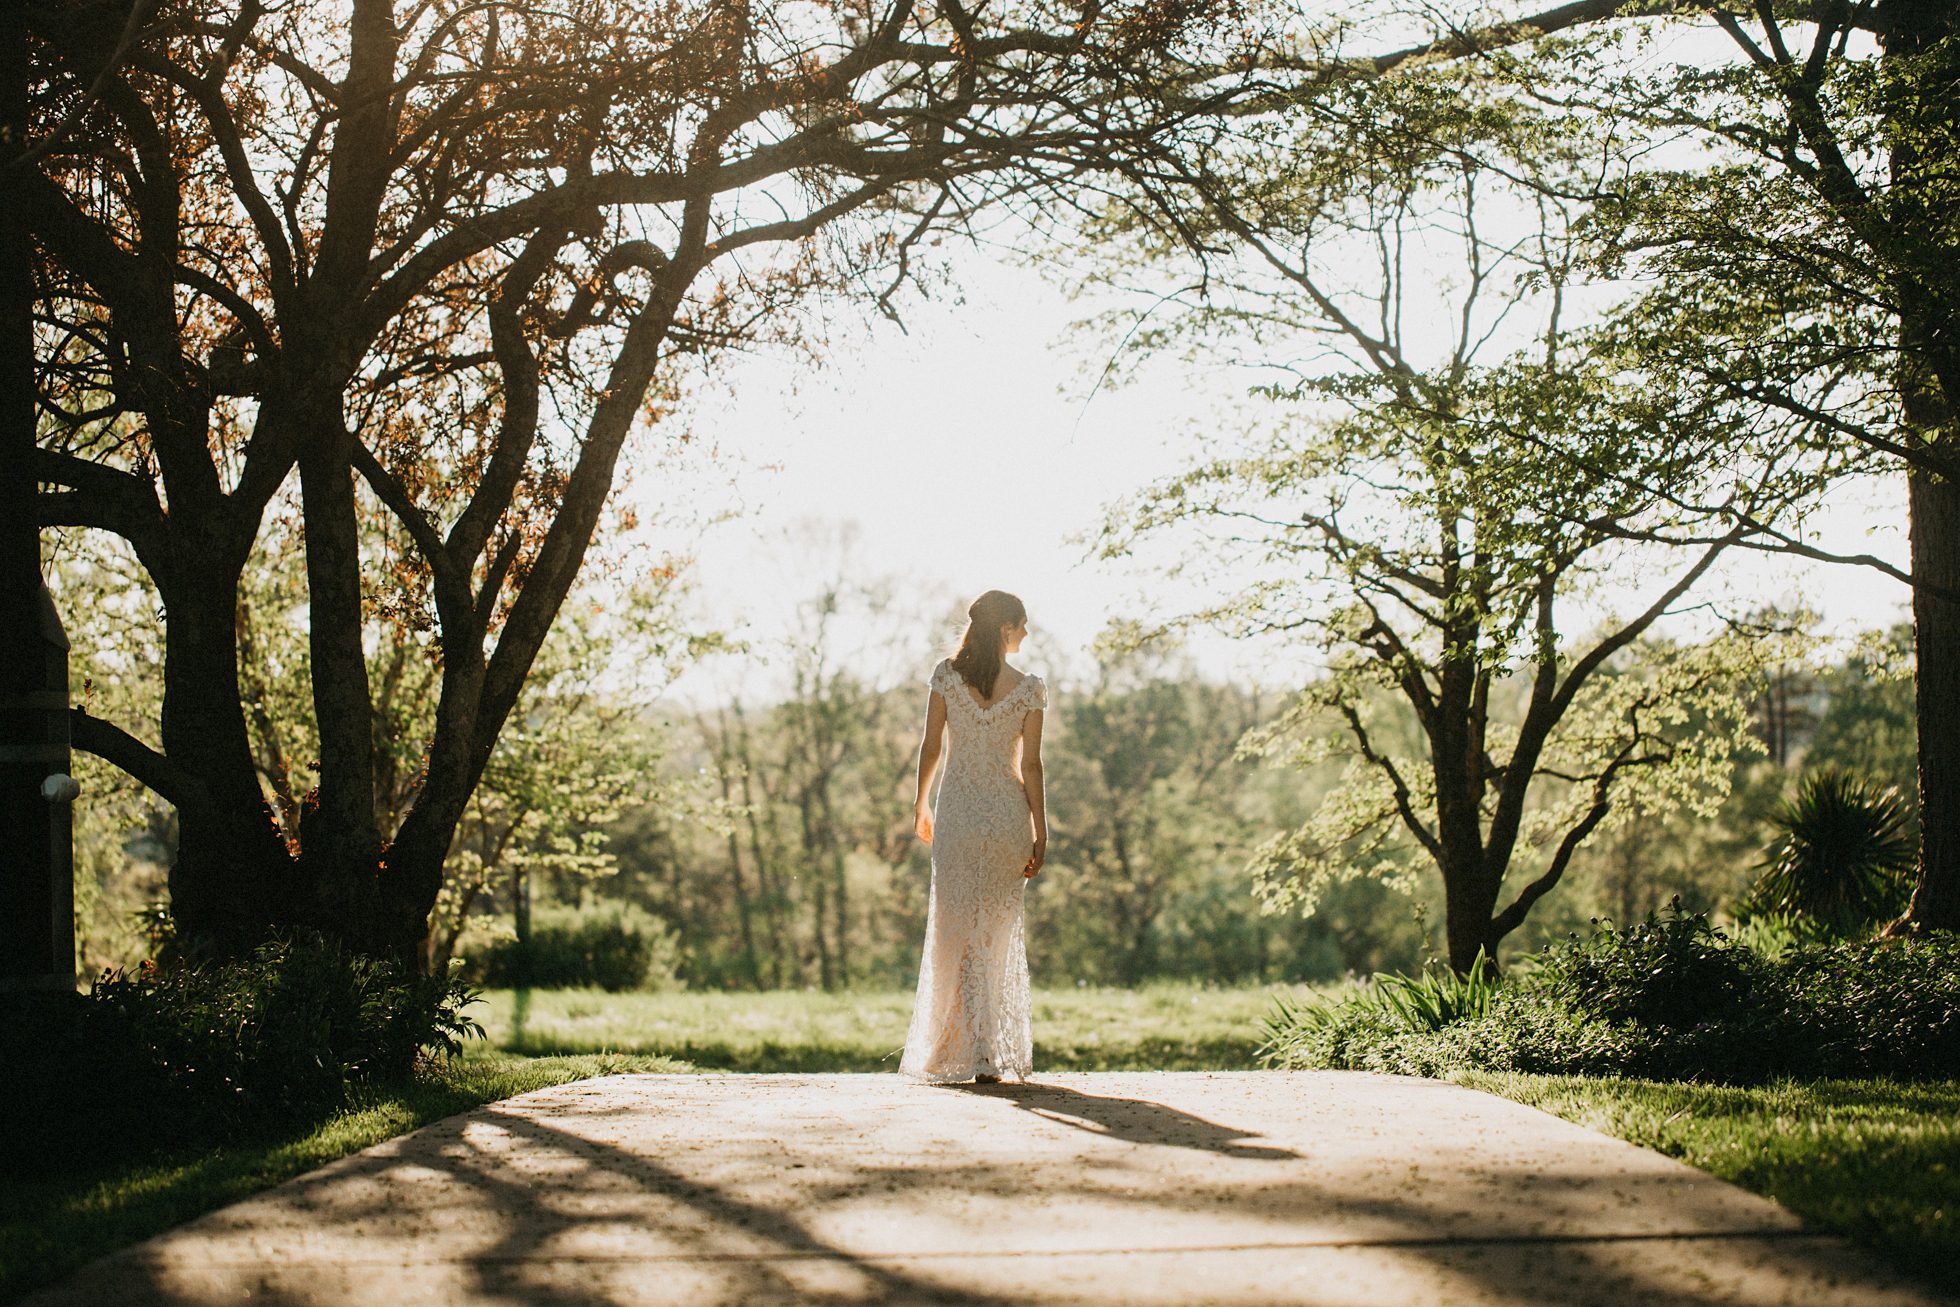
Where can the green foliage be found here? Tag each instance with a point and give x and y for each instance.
(1149, 813)
(1844, 858)
(1435, 998)
(580, 749)
(196, 1049)
(1874, 1007)
(1670, 998)
(803, 845)
(1869, 723)
(1774, 934)
(1451, 464)
(1670, 971)
(614, 947)
(1762, 274)
(124, 835)
(1438, 996)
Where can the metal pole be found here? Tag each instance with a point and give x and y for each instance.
(37, 888)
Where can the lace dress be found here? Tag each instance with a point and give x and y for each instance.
(971, 1015)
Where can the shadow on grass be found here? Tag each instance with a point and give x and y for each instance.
(52, 1223)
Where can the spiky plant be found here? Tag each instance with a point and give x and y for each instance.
(1844, 856)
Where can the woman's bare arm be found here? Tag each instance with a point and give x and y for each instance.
(1031, 781)
(929, 748)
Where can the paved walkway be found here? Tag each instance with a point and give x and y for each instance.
(1260, 1187)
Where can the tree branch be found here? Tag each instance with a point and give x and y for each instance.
(120, 749)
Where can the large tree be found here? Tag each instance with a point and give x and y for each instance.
(448, 258)
(1791, 188)
(1464, 452)
(1812, 257)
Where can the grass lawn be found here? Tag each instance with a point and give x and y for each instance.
(1164, 1027)
(1874, 1160)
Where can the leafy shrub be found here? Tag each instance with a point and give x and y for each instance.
(1890, 1005)
(187, 1051)
(1844, 857)
(618, 947)
(1672, 970)
(1669, 999)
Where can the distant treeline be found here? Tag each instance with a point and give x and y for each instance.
(772, 844)
(801, 869)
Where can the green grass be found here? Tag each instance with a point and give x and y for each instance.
(52, 1225)
(1875, 1160)
(1163, 1027)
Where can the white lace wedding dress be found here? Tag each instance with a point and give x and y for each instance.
(971, 1015)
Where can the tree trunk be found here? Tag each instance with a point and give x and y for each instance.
(412, 874)
(1136, 916)
(520, 906)
(1909, 29)
(340, 846)
(767, 891)
(723, 761)
(31, 829)
(820, 890)
(840, 916)
(768, 884)
(1935, 517)
(230, 858)
(1468, 905)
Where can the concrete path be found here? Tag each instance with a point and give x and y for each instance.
(1259, 1187)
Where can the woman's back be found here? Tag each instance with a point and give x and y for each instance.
(984, 741)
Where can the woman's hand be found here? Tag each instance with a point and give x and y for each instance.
(922, 823)
(1033, 868)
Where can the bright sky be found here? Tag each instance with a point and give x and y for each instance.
(963, 456)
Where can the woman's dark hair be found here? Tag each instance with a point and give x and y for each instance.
(978, 661)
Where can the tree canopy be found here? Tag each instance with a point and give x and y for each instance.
(439, 262)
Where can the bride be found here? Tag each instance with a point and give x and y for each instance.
(989, 836)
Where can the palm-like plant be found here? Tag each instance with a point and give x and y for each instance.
(1844, 857)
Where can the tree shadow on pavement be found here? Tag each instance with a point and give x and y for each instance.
(541, 1204)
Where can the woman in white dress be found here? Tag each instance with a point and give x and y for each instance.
(989, 837)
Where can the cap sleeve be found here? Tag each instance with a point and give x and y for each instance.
(1037, 693)
(941, 678)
